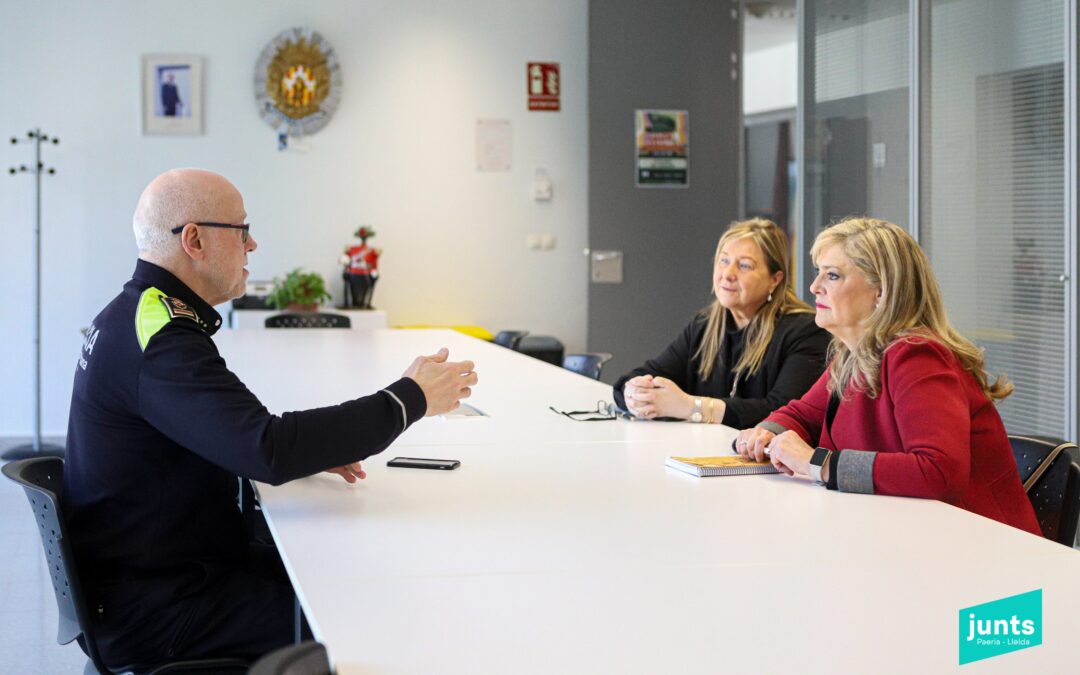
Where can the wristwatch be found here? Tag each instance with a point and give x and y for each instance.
(696, 415)
(817, 463)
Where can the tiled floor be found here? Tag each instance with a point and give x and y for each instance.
(27, 605)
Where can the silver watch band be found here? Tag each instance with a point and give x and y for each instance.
(696, 415)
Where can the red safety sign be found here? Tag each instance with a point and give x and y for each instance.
(542, 83)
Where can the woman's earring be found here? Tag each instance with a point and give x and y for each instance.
(770, 297)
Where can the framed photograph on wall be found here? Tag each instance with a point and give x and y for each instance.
(172, 94)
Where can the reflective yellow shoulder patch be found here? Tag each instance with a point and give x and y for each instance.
(157, 309)
(150, 315)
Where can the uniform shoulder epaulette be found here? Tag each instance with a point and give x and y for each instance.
(155, 310)
(178, 309)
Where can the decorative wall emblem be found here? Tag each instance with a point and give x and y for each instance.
(297, 82)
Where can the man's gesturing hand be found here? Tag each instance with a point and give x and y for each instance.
(443, 382)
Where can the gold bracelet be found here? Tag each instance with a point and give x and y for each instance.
(711, 420)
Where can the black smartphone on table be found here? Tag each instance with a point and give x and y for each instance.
(424, 463)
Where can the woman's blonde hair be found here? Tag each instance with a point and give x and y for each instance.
(910, 307)
(777, 252)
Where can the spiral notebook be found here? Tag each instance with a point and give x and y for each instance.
(728, 465)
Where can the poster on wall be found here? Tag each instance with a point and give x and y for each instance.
(543, 86)
(172, 94)
(494, 145)
(662, 145)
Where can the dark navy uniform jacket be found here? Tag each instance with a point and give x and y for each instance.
(160, 429)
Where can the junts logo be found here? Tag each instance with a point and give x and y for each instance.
(1002, 626)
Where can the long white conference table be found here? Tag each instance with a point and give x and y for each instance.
(568, 547)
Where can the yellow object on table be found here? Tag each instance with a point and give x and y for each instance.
(473, 331)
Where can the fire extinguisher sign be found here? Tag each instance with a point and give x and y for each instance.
(543, 86)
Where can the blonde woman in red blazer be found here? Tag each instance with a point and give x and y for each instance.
(916, 416)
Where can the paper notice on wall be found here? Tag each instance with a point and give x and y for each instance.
(494, 145)
(662, 143)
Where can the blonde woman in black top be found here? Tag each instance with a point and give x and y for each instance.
(755, 348)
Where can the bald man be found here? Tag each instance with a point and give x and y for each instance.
(160, 429)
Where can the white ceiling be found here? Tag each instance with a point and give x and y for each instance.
(767, 32)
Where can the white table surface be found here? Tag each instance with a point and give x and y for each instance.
(563, 546)
(305, 368)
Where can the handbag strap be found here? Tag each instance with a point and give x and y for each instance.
(1044, 466)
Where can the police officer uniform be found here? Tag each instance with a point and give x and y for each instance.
(159, 431)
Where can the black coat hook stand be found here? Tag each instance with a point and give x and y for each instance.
(35, 448)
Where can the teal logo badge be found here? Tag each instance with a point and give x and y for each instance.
(1002, 626)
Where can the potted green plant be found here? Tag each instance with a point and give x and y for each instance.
(298, 291)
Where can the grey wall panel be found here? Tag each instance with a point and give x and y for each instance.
(673, 55)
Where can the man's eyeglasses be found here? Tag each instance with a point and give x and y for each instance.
(243, 228)
(604, 411)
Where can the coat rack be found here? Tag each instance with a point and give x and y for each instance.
(35, 448)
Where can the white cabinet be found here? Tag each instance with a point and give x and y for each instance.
(361, 319)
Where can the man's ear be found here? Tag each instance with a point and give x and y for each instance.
(192, 243)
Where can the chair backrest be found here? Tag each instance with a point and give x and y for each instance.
(546, 348)
(510, 338)
(308, 320)
(307, 658)
(1055, 492)
(589, 364)
(41, 479)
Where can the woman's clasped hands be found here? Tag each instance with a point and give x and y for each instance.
(649, 397)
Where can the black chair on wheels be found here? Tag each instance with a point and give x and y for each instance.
(308, 320)
(41, 479)
(589, 364)
(306, 658)
(1048, 467)
(510, 339)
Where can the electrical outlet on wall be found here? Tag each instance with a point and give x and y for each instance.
(879, 155)
(543, 190)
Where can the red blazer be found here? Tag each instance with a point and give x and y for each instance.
(935, 432)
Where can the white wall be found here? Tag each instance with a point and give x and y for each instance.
(771, 78)
(399, 154)
(770, 63)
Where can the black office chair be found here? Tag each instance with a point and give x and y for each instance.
(41, 479)
(546, 348)
(308, 320)
(589, 364)
(1048, 467)
(307, 658)
(510, 338)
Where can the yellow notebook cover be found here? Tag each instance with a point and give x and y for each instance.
(728, 465)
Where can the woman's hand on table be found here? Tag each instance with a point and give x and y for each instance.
(650, 397)
(790, 453)
(751, 443)
(636, 392)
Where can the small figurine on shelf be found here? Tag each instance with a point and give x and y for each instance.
(361, 270)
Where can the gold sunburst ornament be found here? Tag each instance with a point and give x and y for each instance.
(297, 82)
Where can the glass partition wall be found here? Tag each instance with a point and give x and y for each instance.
(987, 187)
(855, 115)
(992, 186)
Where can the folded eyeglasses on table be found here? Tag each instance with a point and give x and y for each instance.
(604, 411)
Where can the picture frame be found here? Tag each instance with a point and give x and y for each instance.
(172, 94)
